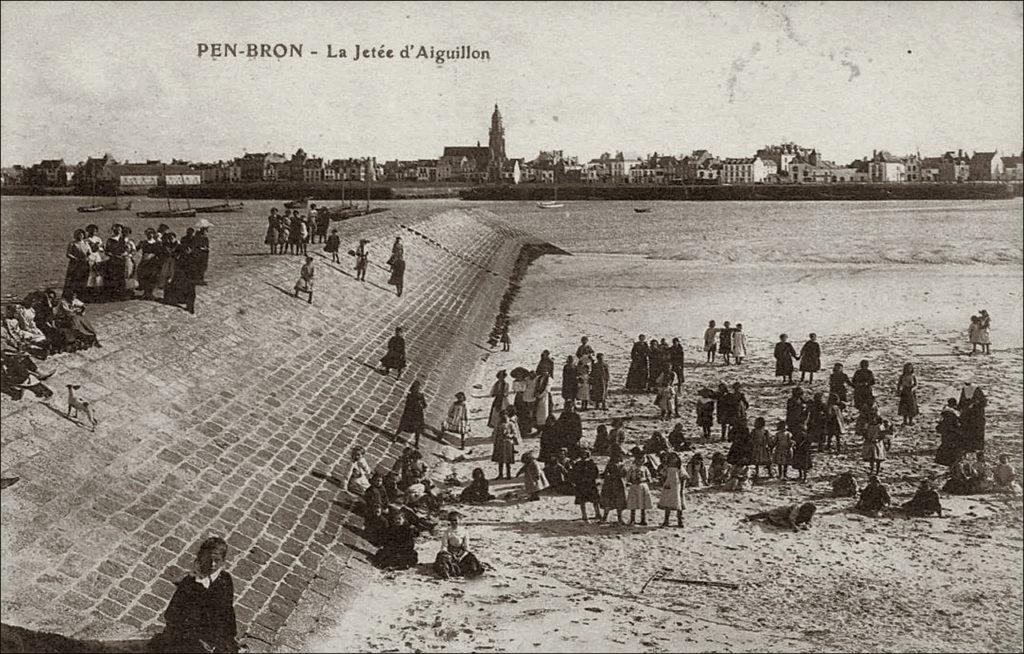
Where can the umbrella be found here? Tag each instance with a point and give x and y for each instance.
(519, 373)
(203, 222)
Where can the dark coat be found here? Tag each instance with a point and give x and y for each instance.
(412, 414)
(199, 615)
(395, 357)
(784, 355)
(810, 357)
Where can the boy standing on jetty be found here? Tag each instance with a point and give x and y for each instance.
(305, 283)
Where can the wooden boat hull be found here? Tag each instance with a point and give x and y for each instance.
(296, 204)
(347, 214)
(221, 208)
(549, 205)
(92, 209)
(641, 210)
(179, 213)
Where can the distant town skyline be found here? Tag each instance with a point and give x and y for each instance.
(845, 78)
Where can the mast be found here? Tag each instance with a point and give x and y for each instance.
(367, 184)
(167, 189)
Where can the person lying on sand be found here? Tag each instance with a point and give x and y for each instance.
(792, 516)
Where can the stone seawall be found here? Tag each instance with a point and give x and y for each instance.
(236, 422)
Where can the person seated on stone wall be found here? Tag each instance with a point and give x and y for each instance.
(873, 498)
(71, 317)
(411, 469)
(375, 496)
(454, 559)
(399, 549)
(925, 501)
(201, 614)
(845, 485)
(478, 490)
(791, 516)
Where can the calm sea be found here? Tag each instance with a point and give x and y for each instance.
(36, 230)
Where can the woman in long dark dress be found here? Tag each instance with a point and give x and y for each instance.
(69, 317)
(725, 408)
(149, 264)
(201, 614)
(906, 390)
(741, 452)
(637, 378)
(395, 356)
(115, 273)
(546, 364)
(397, 278)
(77, 275)
(500, 404)
(810, 358)
(599, 378)
(412, 419)
(570, 381)
(863, 380)
(784, 355)
(569, 429)
(950, 435)
(972, 417)
(796, 412)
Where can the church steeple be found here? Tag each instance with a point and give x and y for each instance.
(496, 143)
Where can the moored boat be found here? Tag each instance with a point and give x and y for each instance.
(220, 209)
(301, 203)
(170, 213)
(641, 209)
(550, 204)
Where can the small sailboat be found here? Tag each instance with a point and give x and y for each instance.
(551, 204)
(97, 207)
(641, 209)
(169, 213)
(351, 211)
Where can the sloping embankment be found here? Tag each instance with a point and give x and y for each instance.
(237, 422)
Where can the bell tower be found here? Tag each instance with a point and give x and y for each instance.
(496, 143)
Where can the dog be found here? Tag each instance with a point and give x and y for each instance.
(80, 405)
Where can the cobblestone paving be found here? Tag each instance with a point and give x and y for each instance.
(233, 422)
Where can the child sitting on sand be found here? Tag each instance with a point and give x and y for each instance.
(739, 479)
(479, 489)
(845, 485)
(697, 471)
(718, 473)
(1005, 477)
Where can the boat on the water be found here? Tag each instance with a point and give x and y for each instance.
(346, 214)
(226, 207)
(550, 204)
(170, 213)
(641, 209)
(301, 203)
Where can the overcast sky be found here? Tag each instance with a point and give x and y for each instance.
(82, 79)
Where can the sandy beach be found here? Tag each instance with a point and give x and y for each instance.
(851, 583)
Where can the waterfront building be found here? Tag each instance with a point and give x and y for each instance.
(747, 170)
(985, 166)
(930, 167)
(48, 172)
(426, 170)
(220, 172)
(912, 166)
(1013, 170)
(784, 154)
(700, 167)
(479, 163)
(883, 167)
(954, 167)
(13, 176)
(262, 166)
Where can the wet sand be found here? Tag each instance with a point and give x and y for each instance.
(850, 583)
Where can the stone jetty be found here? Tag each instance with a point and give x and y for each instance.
(237, 422)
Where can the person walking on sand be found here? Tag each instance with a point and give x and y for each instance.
(838, 381)
(725, 342)
(673, 490)
(305, 283)
(784, 355)
(457, 420)
(584, 479)
(637, 378)
(505, 436)
(638, 497)
(570, 381)
(985, 324)
(499, 403)
(810, 358)
(739, 343)
(906, 391)
(613, 489)
(412, 419)
(782, 455)
(762, 446)
(863, 380)
(710, 341)
(362, 259)
(395, 355)
(599, 380)
(677, 359)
